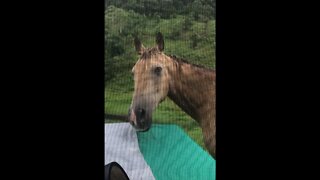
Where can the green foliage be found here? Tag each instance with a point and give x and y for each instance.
(168, 8)
(187, 23)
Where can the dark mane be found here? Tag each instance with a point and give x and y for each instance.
(181, 60)
(148, 52)
(151, 51)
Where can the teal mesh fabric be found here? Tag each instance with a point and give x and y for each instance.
(172, 154)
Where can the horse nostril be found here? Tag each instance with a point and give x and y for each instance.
(141, 112)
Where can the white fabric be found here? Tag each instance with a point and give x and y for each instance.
(121, 145)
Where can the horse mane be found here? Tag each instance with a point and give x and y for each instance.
(151, 51)
(183, 61)
(148, 52)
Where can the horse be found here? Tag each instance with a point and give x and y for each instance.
(191, 87)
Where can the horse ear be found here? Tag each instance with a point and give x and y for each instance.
(160, 41)
(138, 45)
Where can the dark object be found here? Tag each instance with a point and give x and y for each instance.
(113, 171)
(116, 117)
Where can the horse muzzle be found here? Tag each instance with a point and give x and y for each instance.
(139, 119)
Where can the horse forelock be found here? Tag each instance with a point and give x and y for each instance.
(149, 52)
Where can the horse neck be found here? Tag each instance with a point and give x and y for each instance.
(190, 87)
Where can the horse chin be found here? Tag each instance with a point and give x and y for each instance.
(143, 130)
(144, 127)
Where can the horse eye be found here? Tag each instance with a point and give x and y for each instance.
(158, 70)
